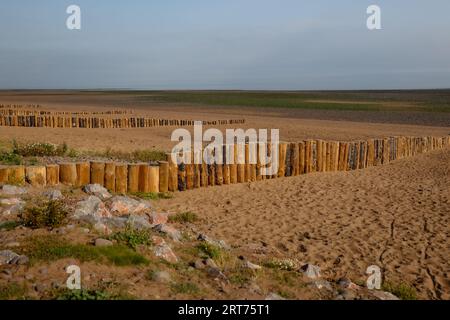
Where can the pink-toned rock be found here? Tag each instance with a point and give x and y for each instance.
(170, 231)
(125, 206)
(156, 218)
(162, 250)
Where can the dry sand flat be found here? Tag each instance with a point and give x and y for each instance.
(395, 216)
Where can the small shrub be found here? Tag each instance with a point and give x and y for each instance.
(39, 149)
(184, 217)
(47, 214)
(282, 264)
(83, 295)
(402, 290)
(9, 225)
(133, 237)
(209, 250)
(185, 288)
(52, 248)
(152, 195)
(10, 158)
(12, 291)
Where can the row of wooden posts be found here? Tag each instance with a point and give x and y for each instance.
(24, 112)
(163, 176)
(35, 121)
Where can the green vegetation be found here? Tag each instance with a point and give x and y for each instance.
(282, 264)
(83, 295)
(39, 149)
(208, 250)
(185, 288)
(44, 214)
(9, 225)
(133, 237)
(413, 100)
(402, 290)
(10, 158)
(51, 248)
(134, 156)
(152, 195)
(184, 217)
(12, 291)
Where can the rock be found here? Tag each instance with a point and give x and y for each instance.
(170, 231)
(102, 228)
(383, 295)
(139, 222)
(274, 296)
(198, 264)
(161, 277)
(311, 271)
(103, 243)
(43, 271)
(11, 202)
(210, 263)
(121, 206)
(7, 256)
(346, 283)
(162, 250)
(348, 295)
(14, 210)
(218, 243)
(216, 273)
(254, 288)
(12, 245)
(97, 190)
(13, 190)
(53, 195)
(92, 206)
(251, 266)
(322, 284)
(115, 222)
(40, 287)
(156, 218)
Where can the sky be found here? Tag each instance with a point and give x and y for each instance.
(224, 44)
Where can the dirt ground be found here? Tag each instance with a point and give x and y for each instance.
(395, 216)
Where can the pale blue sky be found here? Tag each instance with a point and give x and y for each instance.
(225, 44)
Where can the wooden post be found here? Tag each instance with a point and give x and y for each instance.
(320, 161)
(4, 174)
(301, 157)
(233, 166)
(98, 173)
(226, 166)
(342, 158)
(282, 150)
(253, 155)
(197, 163)
(334, 156)
(121, 178)
(133, 177)
(189, 176)
(154, 178)
(163, 176)
(83, 173)
(173, 174)
(370, 153)
(182, 177)
(36, 176)
(144, 178)
(68, 173)
(385, 157)
(240, 162)
(110, 176)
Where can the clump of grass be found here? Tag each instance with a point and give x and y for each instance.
(44, 214)
(152, 195)
(52, 248)
(133, 237)
(12, 291)
(402, 290)
(282, 264)
(10, 158)
(184, 217)
(241, 276)
(9, 225)
(83, 295)
(208, 250)
(185, 288)
(135, 156)
(39, 149)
